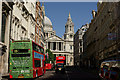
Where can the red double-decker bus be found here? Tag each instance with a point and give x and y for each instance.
(60, 59)
(26, 59)
(60, 62)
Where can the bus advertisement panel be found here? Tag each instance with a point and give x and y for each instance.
(26, 59)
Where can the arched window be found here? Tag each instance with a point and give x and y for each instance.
(70, 28)
(66, 28)
(70, 36)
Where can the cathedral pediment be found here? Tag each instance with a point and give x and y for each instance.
(54, 38)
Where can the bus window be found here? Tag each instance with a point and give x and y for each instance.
(20, 50)
(36, 47)
(37, 63)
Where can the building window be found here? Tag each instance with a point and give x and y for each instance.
(80, 49)
(39, 41)
(64, 36)
(70, 28)
(37, 29)
(70, 36)
(71, 47)
(42, 44)
(51, 34)
(47, 34)
(66, 30)
(37, 20)
(41, 37)
(64, 47)
(60, 46)
(42, 29)
(3, 27)
(22, 32)
(39, 32)
(80, 43)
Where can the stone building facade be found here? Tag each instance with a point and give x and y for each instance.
(78, 44)
(23, 21)
(5, 26)
(104, 25)
(39, 32)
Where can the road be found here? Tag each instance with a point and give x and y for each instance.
(70, 74)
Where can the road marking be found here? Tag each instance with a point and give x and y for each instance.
(67, 75)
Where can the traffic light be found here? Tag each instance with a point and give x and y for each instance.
(4, 48)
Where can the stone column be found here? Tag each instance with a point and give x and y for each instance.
(56, 45)
(62, 46)
(52, 45)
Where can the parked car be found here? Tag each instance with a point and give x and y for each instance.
(110, 70)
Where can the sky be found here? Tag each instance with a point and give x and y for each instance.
(57, 12)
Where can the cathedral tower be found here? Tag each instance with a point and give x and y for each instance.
(69, 29)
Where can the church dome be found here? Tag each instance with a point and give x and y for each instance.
(47, 21)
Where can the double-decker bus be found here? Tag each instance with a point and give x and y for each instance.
(60, 59)
(26, 59)
(60, 62)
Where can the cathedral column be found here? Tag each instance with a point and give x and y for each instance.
(62, 46)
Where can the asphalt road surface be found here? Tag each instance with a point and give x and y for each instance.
(70, 74)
